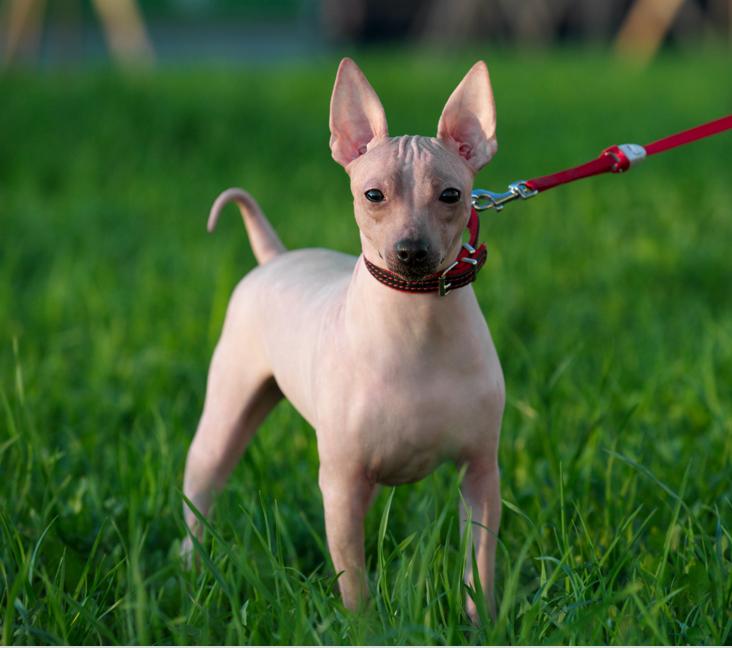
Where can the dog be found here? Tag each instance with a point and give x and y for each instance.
(394, 382)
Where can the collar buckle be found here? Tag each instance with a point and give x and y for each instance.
(443, 286)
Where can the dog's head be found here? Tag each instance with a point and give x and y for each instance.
(411, 193)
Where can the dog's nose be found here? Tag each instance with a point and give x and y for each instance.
(411, 251)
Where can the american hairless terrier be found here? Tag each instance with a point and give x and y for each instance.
(392, 381)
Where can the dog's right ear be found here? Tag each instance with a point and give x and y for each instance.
(356, 114)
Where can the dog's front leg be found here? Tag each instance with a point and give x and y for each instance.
(482, 506)
(346, 498)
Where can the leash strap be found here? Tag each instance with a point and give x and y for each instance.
(614, 159)
(690, 135)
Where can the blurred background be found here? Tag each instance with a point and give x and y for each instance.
(63, 32)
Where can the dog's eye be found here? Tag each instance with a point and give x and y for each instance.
(374, 195)
(450, 195)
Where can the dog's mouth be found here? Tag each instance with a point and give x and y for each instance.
(412, 271)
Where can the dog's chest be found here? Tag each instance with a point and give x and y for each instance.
(405, 423)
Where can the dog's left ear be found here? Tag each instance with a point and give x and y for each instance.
(468, 121)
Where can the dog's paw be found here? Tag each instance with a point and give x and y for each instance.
(187, 552)
(471, 609)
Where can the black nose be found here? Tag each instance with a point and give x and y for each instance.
(411, 251)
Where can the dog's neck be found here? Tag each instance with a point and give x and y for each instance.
(379, 315)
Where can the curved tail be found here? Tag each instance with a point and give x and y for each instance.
(264, 240)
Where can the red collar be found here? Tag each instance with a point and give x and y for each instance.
(459, 273)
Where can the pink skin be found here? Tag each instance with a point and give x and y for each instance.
(393, 383)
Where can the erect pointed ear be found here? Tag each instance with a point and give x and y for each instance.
(356, 114)
(468, 121)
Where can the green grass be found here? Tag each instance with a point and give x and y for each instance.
(610, 303)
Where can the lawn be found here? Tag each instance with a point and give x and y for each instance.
(610, 302)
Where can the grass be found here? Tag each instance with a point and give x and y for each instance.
(609, 302)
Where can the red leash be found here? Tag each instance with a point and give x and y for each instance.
(614, 159)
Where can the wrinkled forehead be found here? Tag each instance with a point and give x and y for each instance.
(410, 159)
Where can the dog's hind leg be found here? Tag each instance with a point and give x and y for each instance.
(240, 393)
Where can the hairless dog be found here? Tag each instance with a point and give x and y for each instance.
(394, 383)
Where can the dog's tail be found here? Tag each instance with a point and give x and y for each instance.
(264, 240)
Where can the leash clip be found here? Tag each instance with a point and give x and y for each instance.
(484, 199)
